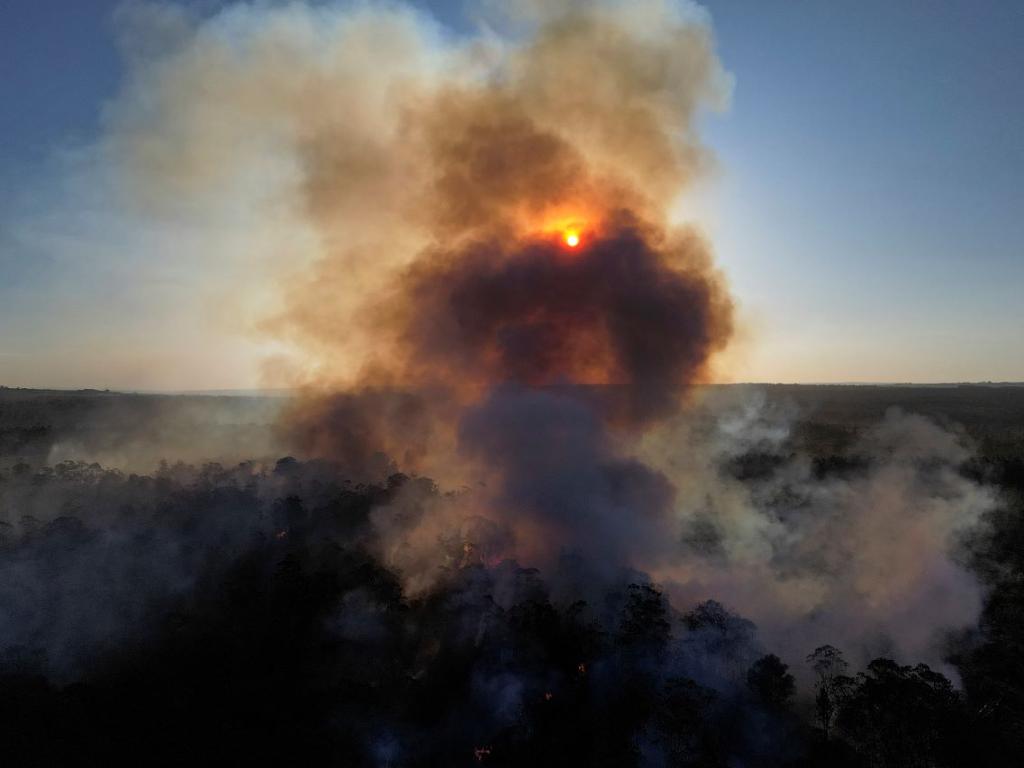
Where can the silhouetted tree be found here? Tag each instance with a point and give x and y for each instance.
(644, 625)
(683, 719)
(902, 716)
(771, 682)
(830, 686)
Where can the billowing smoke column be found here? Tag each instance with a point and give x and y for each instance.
(548, 313)
(533, 362)
(477, 280)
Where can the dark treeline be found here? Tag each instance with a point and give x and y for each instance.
(240, 616)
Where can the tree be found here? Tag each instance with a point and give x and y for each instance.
(902, 716)
(831, 684)
(770, 681)
(683, 720)
(723, 633)
(644, 623)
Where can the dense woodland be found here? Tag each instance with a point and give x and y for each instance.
(215, 614)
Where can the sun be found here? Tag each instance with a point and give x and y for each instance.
(572, 239)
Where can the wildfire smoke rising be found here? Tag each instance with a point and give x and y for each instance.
(445, 298)
(420, 188)
(493, 161)
(396, 148)
(497, 351)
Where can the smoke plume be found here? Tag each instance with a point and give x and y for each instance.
(470, 272)
(437, 320)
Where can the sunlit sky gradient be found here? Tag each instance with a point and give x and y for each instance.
(868, 209)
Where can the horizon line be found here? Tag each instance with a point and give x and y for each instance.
(285, 391)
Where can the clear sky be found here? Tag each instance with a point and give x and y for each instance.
(868, 209)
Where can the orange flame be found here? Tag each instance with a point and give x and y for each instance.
(569, 223)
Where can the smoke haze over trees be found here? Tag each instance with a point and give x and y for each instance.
(247, 611)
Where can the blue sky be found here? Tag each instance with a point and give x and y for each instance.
(871, 210)
(868, 210)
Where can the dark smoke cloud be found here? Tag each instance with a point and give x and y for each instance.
(616, 315)
(563, 482)
(491, 300)
(441, 325)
